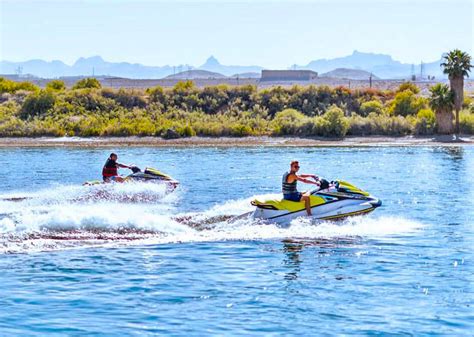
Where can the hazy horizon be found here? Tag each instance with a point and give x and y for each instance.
(268, 33)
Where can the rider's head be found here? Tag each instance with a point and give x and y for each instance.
(113, 156)
(294, 166)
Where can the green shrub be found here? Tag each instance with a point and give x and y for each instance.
(157, 95)
(375, 106)
(408, 86)
(275, 99)
(466, 122)
(406, 103)
(56, 85)
(90, 100)
(12, 86)
(37, 104)
(288, 122)
(425, 123)
(126, 98)
(337, 124)
(87, 83)
(379, 125)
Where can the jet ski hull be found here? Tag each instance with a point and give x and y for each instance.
(150, 175)
(332, 211)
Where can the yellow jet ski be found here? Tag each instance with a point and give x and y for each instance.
(335, 200)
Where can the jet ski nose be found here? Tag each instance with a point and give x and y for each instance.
(376, 202)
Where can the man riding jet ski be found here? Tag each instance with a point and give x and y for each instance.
(110, 169)
(331, 200)
(110, 174)
(288, 185)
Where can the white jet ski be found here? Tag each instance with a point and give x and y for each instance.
(335, 200)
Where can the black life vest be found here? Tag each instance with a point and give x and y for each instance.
(110, 168)
(286, 187)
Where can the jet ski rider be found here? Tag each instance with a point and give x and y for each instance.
(289, 189)
(110, 170)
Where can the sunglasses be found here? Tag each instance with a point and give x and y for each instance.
(296, 166)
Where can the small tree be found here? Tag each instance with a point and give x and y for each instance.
(442, 102)
(87, 83)
(457, 65)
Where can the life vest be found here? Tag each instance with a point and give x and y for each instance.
(110, 168)
(286, 187)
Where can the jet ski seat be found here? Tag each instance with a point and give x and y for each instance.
(282, 204)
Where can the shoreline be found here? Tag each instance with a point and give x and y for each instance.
(369, 141)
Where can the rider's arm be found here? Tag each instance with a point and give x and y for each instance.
(309, 176)
(123, 165)
(300, 178)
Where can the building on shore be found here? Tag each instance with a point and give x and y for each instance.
(288, 75)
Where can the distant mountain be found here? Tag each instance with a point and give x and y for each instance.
(352, 74)
(382, 65)
(89, 66)
(212, 64)
(195, 74)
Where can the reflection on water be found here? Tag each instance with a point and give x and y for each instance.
(292, 261)
(453, 152)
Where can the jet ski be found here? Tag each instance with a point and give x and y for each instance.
(331, 201)
(149, 175)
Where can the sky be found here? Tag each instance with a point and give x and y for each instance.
(274, 33)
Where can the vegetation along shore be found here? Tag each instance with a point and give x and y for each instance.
(88, 110)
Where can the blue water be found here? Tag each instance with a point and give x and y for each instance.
(141, 262)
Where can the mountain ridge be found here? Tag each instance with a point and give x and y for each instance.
(381, 65)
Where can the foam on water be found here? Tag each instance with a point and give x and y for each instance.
(78, 216)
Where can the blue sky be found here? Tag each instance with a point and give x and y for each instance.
(269, 33)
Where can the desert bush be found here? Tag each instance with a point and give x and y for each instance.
(425, 123)
(466, 122)
(56, 85)
(337, 124)
(37, 104)
(406, 103)
(379, 125)
(374, 106)
(213, 99)
(11, 87)
(90, 100)
(288, 122)
(126, 98)
(157, 95)
(87, 83)
(275, 99)
(408, 86)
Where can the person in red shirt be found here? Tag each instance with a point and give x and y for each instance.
(110, 170)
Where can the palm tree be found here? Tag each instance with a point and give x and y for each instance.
(456, 65)
(442, 102)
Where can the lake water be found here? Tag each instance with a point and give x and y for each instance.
(142, 263)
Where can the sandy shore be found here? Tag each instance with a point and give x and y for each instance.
(234, 142)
